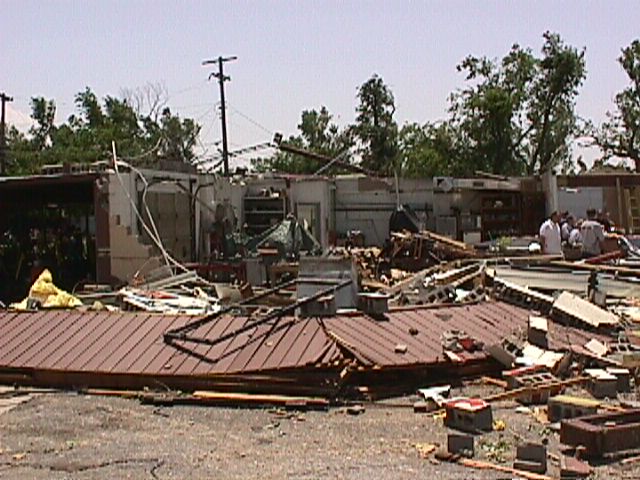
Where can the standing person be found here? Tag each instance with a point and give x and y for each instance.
(592, 233)
(575, 238)
(605, 220)
(567, 228)
(550, 235)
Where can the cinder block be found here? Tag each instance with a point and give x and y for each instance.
(461, 444)
(540, 395)
(563, 407)
(537, 331)
(469, 414)
(623, 376)
(602, 384)
(511, 376)
(533, 457)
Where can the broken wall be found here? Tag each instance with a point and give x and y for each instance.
(170, 206)
(577, 200)
(311, 202)
(366, 204)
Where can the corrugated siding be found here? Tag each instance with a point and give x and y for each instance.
(132, 343)
(487, 322)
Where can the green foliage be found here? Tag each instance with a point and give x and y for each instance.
(375, 129)
(318, 134)
(517, 116)
(428, 150)
(514, 116)
(619, 135)
(87, 134)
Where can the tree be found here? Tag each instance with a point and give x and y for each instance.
(619, 135)
(87, 134)
(148, 100)
(375, 129)
(318, 134)
(517, 116)
(428, 150)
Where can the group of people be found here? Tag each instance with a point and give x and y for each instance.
(584, 234)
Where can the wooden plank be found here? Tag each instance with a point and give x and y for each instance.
(597, 268)
(517, 392)
(480, 465)
(246, 398)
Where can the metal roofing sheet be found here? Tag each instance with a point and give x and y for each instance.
(375, 341)
(132, 343)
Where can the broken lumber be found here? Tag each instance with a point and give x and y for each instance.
(494, 381)
(516, 392)
(482, 465)
(207, 398)
(225, 398)
(597, 268)
(444, 240)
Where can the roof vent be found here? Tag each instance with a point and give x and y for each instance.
(374, 304)
(324, 306)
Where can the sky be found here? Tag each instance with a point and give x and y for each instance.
(292, 55)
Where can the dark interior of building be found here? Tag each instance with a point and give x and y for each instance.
(46, 222)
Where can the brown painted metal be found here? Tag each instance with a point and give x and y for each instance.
(132, 343)
(376, 340)
(128, 350)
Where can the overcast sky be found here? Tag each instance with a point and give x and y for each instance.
(292, 55)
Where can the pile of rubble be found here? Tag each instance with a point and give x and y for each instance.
(559, 338)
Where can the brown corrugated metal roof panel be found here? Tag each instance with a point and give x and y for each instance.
(100, 348)
(375, 341)
(132, 343)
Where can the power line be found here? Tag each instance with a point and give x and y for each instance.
(251, 120)
(221, 79)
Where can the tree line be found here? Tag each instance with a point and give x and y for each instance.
(140, 123)
(513, 116)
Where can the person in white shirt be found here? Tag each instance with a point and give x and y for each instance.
(567, 228)
(575, 237)
(592, 233)
(550, 235)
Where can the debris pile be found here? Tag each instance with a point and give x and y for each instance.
(555, 340)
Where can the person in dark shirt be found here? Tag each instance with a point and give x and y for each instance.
(604, 220)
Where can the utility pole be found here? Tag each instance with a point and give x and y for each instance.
(223, 114)
(3, 144)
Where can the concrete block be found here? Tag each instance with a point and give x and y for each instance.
(537, 331)
(511, 376)
(469, 415)
(461, 444)
(602, 384)
(536, 452)
(540, 395)
(562, 407)
(624, 378)
(531, 457)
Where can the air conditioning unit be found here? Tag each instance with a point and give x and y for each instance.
(373, 304)
(442, 184)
